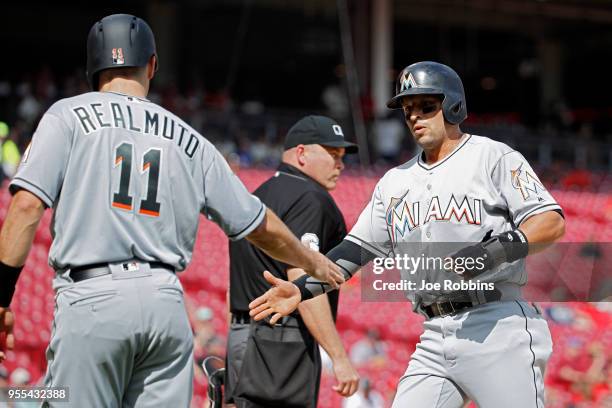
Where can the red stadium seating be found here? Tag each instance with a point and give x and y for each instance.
(589, 218)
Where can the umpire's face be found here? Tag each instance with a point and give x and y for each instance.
(322, 163)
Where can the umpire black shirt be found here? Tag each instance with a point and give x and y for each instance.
(307, 208)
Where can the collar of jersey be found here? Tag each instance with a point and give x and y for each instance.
(128, 96)
(433, 166)
(291, 171)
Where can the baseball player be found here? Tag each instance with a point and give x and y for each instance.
(486, 345)
(127, 181)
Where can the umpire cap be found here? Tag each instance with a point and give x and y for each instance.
(118, 41)
(432, 78)
(321, 130)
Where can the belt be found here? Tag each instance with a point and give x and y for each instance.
(84, 272)
(245, 318)
(450, 308)
(445, 308)
(241, 317)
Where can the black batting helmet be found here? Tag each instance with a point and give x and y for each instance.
(432, 78)
(118, 41)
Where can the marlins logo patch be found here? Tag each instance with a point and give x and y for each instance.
(526, 183)
(401, 218)
(408, 82)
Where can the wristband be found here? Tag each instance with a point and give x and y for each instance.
(9, 275)
(301, 285)
(515, 244)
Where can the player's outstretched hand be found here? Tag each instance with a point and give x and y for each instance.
(326, 271)
(7, 321)
(346, 377)
(282, 299)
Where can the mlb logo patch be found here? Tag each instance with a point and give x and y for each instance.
(130, 267)
(118, 56)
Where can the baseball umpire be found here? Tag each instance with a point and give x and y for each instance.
(491, 346)
(281, 366)
(127, 181)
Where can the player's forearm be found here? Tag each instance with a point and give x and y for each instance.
(542, 230)
(349, 256)
(24, 214)
(317, 316)
(274, 238)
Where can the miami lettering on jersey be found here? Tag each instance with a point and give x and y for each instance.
(526, 182)
(403, 217)
(95, 116)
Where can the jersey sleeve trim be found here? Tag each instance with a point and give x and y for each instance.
(251, 226)
(19, 183)
(537, 210)
(367, 246)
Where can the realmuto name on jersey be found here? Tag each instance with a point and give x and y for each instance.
(96, 116)
(403, 216)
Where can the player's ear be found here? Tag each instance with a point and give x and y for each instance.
(152, 67)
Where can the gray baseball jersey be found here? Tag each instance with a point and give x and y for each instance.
(127, 179)
(482, 185)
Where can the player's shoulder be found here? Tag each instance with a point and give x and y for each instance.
(63, 106)
(208, 147)
(488, 147)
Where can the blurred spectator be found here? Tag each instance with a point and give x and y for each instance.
(369, 349)
(29, 108)
(365, 397)
(579, 179)
(9, 152)
(584, 368)
(388, 134)
(336, 101)
(206, 340)
(591, 250)
(20, 377)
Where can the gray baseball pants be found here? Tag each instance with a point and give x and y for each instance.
(121, 340)
(494, 354)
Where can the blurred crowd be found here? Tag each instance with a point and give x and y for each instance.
(250, 134)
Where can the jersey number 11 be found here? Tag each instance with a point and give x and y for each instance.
(151, 162)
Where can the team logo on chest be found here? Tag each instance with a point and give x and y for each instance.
(403, 217)
(525, 182)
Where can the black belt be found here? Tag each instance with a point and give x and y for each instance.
(241, 317)
(451, 308)
(446, 308)
(81, 273)
(245, 318)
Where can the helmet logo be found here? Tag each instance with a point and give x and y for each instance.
(408, 82)
(118, 56)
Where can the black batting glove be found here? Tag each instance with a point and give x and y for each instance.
(492, 251)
